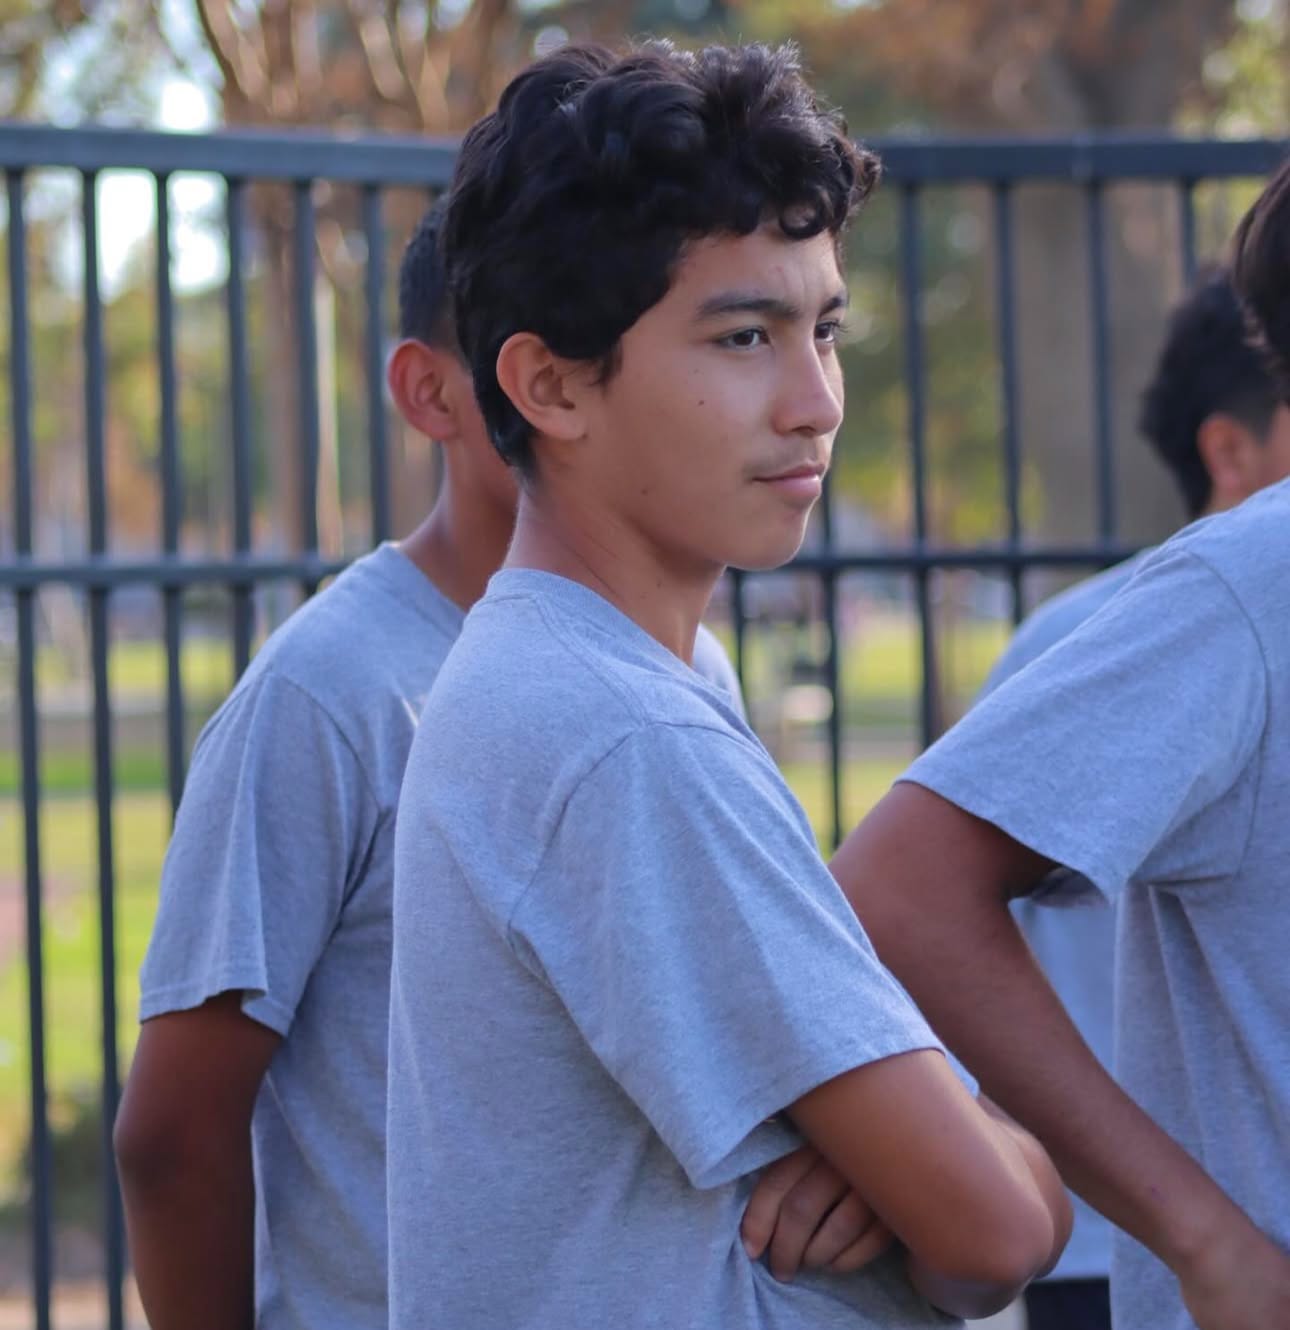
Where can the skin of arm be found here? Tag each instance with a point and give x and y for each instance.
(183, 1147)
(802, 1212)
(931, 885)
(975, 1202)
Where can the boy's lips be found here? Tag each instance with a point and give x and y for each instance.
(805, 481)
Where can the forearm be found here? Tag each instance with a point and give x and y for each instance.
(191, 1230)
(966, 965)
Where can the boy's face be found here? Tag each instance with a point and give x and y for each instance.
(710, 441)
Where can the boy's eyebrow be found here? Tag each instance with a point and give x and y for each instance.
(771, 307)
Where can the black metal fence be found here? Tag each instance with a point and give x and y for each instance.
(374, 166)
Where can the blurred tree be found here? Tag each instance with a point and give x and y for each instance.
(404, 66)
(1045, 66)
(66, 60)
(420, 66)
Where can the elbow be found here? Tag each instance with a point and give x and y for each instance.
(146, 1147)
(156, 1148)
(1022, 1249)
(982, 1276)
(1018, 1245)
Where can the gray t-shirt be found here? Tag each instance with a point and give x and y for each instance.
(1075, 947)
(1149, 753)
(278, 882)
(617, 955)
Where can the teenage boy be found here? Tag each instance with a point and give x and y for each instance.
(1145, 758)
(623, 978)
(1213, 415)
(251, 1134)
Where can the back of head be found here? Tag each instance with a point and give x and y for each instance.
(572, 202)
(1261, 271)
(425, 306)
(1207, 365)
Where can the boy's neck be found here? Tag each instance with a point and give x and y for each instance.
(460, 545)
(616, 563)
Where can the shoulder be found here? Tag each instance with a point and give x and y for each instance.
(357, 627)
(1247, 550)
(1057, 617)
(357, 651)
(695, 772)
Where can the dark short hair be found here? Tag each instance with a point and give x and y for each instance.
(572, 201)
(1261, 272)
(425, 305)
(1206, 365)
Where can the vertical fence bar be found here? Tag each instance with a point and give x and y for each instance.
(379, 483)
(95, 434)
(832, 671)
(1187, 229)
(306, 368)
(916, 384)
(240, 393)
(1095, 203)
(739, 625)
(20, 408)
(1006, 299)
(171, 499)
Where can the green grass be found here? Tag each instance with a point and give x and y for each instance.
(73, 1008)
(881, 666)
(863, 784)
(71, 771)
(138, 669)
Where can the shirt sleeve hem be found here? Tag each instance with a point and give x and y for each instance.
(719, 1164)
(256, 1002)
(1012, 821)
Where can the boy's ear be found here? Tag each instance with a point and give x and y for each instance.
(543, 387)
(421, 382)
(1230, 453)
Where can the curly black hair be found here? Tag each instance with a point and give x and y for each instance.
(571, 202)
(1261, 272)
(1206, 365)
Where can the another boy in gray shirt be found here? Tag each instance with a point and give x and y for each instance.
(256, 1103)
(1214, 417)
(1147, 758)
(623, 978)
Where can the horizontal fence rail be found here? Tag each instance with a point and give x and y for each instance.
(375, 165)
(400, 160)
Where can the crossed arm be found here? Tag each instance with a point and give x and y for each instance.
(902, 1133)
(183, 1147)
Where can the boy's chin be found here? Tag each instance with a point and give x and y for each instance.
(770, 555)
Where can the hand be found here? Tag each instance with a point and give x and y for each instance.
(1241, 1282)
(806, 1214)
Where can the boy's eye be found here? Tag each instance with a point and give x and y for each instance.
(743, 340)
(830, 330)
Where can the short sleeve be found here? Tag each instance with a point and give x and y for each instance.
(700, 945)
(1120, 752)
(275, 821)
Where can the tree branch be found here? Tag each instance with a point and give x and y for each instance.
(245, 68)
